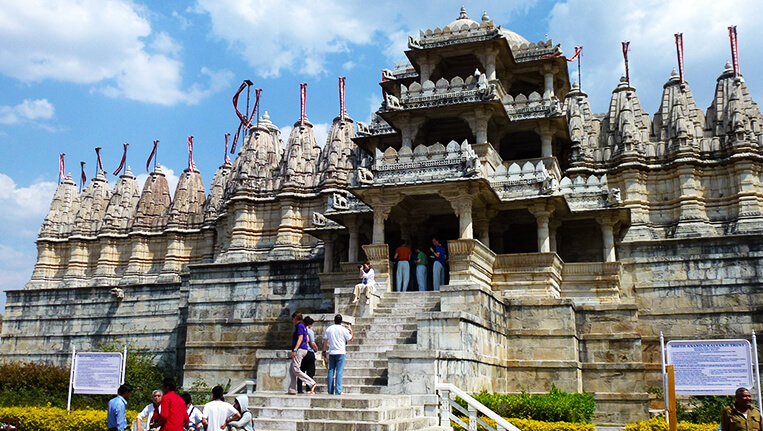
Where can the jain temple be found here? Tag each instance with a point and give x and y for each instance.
(573, 240)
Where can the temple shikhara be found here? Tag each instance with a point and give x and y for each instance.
(573, 240)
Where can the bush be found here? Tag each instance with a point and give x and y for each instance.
(703, 409)
(556, 406)
(33, 384)
(56, 419)
(659, 424)
(531, 425)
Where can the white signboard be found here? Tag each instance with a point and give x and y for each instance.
(710, 367)
(97, 372)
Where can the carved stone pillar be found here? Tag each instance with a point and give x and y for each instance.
(548, 81)
(409, 128)
(426, 67)
(462, 205)
(546, 132)
(478, 122)
(542, 213)
(553, 226)
(354, 244)
(608, 237)
(488, 62)
(482, 225)
(328, 254)
(381, 212)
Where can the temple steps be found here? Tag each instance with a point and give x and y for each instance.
(364, 405)
(274, 411)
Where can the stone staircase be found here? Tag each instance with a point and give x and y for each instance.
(365, 404)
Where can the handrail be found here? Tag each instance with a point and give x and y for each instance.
(448, 387)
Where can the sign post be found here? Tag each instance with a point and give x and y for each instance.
(672, 419)
(96, 373)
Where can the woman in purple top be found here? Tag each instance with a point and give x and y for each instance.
(298, 352)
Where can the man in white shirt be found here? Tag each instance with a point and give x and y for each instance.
(150, 414)
(218, 413)
(337, 336)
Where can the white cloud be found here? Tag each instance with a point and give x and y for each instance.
(24, 207)
(301, 35)
(374, 102)
(27, 110)
(600, 26)
(172, 180)
(109, 43)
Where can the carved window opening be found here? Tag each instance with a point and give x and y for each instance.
(520, 145)
(513, 231)
(444, 130)
(460, 65)
(579, 241)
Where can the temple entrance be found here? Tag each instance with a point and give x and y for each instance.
(418, 219)
(514, 231)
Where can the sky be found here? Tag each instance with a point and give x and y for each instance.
(78, 74)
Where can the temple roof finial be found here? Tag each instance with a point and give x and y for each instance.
(485, 18)
(463, 14)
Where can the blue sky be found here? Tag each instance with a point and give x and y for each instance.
(76, 74)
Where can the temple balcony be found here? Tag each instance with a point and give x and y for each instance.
(457, 91)
(521, 179)
(532, 107)
(433, 163)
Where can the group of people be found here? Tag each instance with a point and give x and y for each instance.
(403, 257)
(335, 341)
(169, 411)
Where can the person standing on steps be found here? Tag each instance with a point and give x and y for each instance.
(298, 353)
(421, 269)
(172, 412)
(438, 270)
(402, 256)
(308, 364)
(367, 283)
(336, 338)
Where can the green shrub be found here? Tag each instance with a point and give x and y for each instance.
(556, 406)
(531, 425)
(703, 409)
(659, 424)
(56, 419)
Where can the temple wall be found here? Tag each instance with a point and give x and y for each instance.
(44, 324)
(234, 310)
(694, 289)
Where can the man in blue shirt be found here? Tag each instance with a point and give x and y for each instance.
(117, 421)
(438, 270)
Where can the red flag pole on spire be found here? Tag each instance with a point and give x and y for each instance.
(191, 165)
(626, 45)
(227, 159)
(734, 50)
(302, 101)
(578, 51)
(99, 165)
(341, 98)
(151, 156)
(82, 177)
(124, 159)
(244, 122)
(680, 54)
(61, 168)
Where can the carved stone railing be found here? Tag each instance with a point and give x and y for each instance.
(524, 178)
(377, 127)
(586, 193)
(471, 262)
(526, 275)
(535, 51)
(467, 32)
(401, 71)
(432, 163)
(534, 106)
(458, 90)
